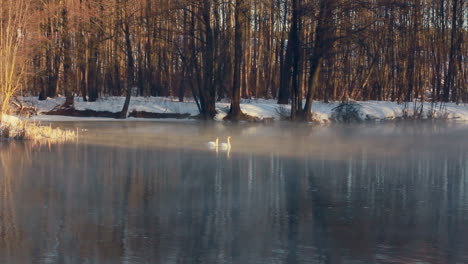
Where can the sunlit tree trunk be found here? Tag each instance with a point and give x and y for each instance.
(13, 16)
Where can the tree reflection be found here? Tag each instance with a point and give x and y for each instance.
(82, 202)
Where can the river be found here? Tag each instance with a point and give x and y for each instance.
(152, 192)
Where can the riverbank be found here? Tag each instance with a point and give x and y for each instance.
(260, 108)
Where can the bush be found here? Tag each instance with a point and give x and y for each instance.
(347, 112)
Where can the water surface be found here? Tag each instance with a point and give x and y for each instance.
(143, 192)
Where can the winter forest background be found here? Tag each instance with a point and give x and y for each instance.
(294, 51)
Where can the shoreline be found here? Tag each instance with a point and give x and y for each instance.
(263, 109)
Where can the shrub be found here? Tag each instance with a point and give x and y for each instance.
(347, 112)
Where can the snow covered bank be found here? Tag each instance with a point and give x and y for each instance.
(13, 128)
(261, 108)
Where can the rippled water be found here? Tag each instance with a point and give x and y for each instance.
(129, 192)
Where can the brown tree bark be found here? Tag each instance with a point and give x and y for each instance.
(235, 112)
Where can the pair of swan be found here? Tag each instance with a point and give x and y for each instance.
(224, 145)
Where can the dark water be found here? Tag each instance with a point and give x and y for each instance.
(152, 193)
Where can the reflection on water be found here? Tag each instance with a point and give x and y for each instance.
(347, 201)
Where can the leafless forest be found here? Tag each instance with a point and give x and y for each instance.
(294, 51)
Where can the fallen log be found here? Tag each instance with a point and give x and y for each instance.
(106, 114)
(81, 113)
(143, 114)
(18, 109)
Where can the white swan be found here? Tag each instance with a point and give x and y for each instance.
(213, 144)
(226, 146)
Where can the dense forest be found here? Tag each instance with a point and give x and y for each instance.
(294, 51)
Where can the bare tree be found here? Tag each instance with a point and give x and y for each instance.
(13, 17)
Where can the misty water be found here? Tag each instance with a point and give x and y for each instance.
(152, 192)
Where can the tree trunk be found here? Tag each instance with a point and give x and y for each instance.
(322, 44)
(130, 67)
(293, 65)
(208, 91)
(285, 65)
(451, 71)
(69, 102)
(235, 113)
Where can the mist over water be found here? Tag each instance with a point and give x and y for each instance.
(133, 192)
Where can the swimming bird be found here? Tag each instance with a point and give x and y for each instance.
(213, 144)
(227, 145)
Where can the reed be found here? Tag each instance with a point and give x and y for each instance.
(14, 128)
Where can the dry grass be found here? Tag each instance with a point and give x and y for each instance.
(14, 128)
